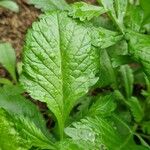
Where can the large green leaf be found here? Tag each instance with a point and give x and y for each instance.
(26, 116)
(51, 5)
(8, 58)
(59, 63)
(85, 11)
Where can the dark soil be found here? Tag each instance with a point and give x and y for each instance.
(13, 26)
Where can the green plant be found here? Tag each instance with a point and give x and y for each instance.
(8, 61)
(69, 54)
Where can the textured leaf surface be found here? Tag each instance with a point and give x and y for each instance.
(85, 11)
(51, 5)
(127, 79)
(70, 144)
(8, 58)
(34, 135)
(9, 137)
(59, 63)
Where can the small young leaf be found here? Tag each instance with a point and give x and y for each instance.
(136, 109)
(121, 60)
(5, 81)
(117, 10)
(9, 4)
(139, 47)
(127, 79)
(106, 71)
(145, 5)
(85, 11)
(103, 106)
(134, 18)
(104, 38)
(8, 58)
(49, 5)
(146, 127)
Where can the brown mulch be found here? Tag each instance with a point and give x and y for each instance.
(13, 26)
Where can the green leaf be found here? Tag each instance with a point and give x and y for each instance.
(9, 5)
(8, 58)
(59, 63)
(26, 116)
(127, 79)
(126, 133)
(120, 48)
(85, 11)
(117, 10)
(146, 127)
(134, 17)
(139, 47)
(49, 5)
(145, 5)
(103, 106)
(9, 137)
(34, 135)
(136, 109)
(12, 101)
(70, 144)
(106, 71)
